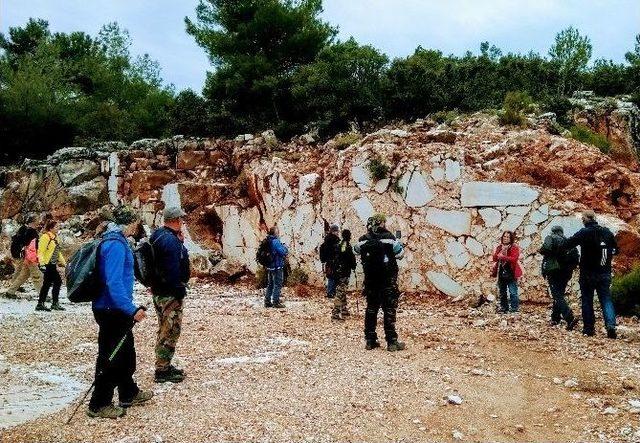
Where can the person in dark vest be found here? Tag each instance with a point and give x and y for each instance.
(115, 313)
(172, 261)
(379, 251)
(345, 262)
(557, 267)
(597, 247)
(328, 257)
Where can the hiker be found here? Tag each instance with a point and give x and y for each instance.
(557, 267)
(115, 313)
(507, 271)
(172, 265)
(328, 257)
(275, 270)
(49, 258)
(379, 251)
(345, 263)
(597, 248)
(24, 250)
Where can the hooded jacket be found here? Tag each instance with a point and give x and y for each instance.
(597, 247)
(115, 261)
(279, 252)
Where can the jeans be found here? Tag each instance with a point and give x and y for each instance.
(385, 297)
(275, 279)
(332, 284)
(51, 278)
(600, 283)
(513, 302)
(557, 287)
(113, 325)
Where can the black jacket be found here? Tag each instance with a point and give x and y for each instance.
(563, 261)
(172, 260)
(345, 260)
(393, 251)
(329, 253)
(597, 247)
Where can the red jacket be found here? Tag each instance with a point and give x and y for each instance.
(511, 257)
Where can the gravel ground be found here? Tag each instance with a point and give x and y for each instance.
(294, 375)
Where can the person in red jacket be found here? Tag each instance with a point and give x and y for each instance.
(507, 271)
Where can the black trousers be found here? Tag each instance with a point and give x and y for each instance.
(113, 325)
(51, 278)
(385, 297)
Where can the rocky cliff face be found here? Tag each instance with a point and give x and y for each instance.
(450, 190)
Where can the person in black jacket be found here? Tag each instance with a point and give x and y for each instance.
(597, 247)
(345, 263)
(25, 257)
(557, 267)
(172, 261)
(328, 257)
(379, 251)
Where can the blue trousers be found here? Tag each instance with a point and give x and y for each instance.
(332, 285)
(275, 279)
(512, 303)
(600, 284)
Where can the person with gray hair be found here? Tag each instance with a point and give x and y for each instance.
(557, 267)
(597, 248)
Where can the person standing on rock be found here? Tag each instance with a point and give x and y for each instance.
(275, 270)
(115, 313)
(379, 251)
(24, 250)
(597, 248)
(172, 264)
(49, 258)
(329, 257)
(345, 263)
(557, 267)
(507, 271)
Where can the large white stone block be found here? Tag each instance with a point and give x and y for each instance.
(491, 217)
(416, 190)
(361, 176)
(454, 222)
(452, 170)
(363, 207)
(457, 254)
(497, 194)
(512, 222)
(446, 284)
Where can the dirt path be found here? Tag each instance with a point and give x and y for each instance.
(294, 375)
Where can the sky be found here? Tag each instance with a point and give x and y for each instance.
(395, 27)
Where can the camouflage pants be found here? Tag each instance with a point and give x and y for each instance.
(340, 299)
(385, 297)
(169, 312)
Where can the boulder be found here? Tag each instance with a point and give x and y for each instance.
(445, 284)
(74, 172)
(497, 194)
(416, 190)
(456, 223)
(452, 170)
(89, 196)
(360, 175)
(491, 217)
(364, 208)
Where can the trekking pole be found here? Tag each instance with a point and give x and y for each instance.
(101, 373)
(355, 275)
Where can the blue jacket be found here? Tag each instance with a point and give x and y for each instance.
(279, 252)
(115, 261)
(172, 261)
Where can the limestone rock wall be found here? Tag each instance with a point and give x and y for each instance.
(450, 191)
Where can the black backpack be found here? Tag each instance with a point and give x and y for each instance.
(83, 277)
(18, 243)
(374, 258)
(571, 259)
(264, 255)
(145, 266)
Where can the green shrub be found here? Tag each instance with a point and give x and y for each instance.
(635, 97)
(625, 291)
(515, 105)
(446, 117)
(560, 106)
(397, 187)
(297, 276)
(377, 169)
(586, 135)
(343, 141)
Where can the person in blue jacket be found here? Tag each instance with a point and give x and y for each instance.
(275, 272)
(115, 313)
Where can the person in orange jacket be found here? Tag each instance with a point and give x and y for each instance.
(507, 271)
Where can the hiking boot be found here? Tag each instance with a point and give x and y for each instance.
(42, 307)
(396, 346)
(57, 307)
(268, 304)
(612, 334)
(140, 398)
(279, 305)
(346, 313)
(336, 317)
(109, 411)
(571, 324)
(588, 332)
(10, 295)
(372, 344)
(172, 375)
